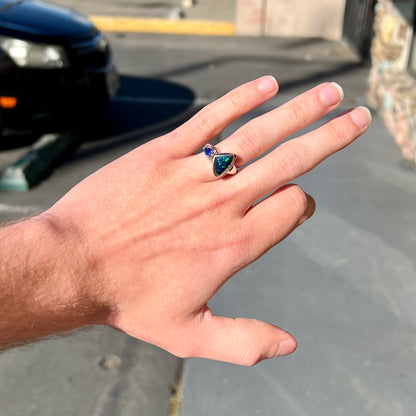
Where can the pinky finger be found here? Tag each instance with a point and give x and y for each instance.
(274, 218)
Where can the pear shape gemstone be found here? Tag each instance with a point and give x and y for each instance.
(223, 163)
(208, 151)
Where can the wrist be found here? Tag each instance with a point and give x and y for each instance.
(74, 270)
(43, 284)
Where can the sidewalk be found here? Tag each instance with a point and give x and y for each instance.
(220, 10)
(205, 17)
(344, 285)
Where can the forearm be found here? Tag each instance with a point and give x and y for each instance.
(41, 283)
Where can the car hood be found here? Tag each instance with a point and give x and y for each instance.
(39, 19)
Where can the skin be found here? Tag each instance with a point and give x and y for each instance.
(144, 243)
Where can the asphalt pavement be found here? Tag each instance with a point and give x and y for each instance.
(343, 283)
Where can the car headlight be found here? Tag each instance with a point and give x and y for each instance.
(34, 55)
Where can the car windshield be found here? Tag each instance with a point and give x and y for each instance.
(5, 4)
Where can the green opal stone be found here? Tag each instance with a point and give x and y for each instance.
(223, 163)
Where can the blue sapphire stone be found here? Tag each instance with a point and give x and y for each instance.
(208, 151)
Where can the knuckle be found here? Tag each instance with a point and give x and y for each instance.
(234, 246)
(182, 353)
(336, 133)
(220, 200)
(206, 121)
(289, 162)
(182, 345)
(299, 198)
(237, 249)
(238, 100)
(248, 140)
(301, 113)
(250, 357)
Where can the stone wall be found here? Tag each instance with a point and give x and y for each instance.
(299, 18)
(391, 88)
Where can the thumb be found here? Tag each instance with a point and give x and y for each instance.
(239, 341)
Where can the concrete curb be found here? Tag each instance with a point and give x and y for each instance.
(36, 164)
(155, 25)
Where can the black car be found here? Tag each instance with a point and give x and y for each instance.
(55, 67)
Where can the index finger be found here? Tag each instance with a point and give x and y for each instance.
(215, 117)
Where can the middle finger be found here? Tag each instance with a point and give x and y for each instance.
(263, 132)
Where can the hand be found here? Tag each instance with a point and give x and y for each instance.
(157, 235)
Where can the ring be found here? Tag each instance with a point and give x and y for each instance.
(222, 163)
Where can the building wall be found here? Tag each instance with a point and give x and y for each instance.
(391, 88)
(300, 18)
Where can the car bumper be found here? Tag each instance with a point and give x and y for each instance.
(56, 99)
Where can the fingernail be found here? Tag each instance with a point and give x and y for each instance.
(361, 117)
(286, 348)
(331, 94)
(267, 84)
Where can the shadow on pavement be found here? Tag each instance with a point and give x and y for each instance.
(141, 108)
(140, 103)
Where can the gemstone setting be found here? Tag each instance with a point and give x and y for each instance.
(208, 152)
(223, 163)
